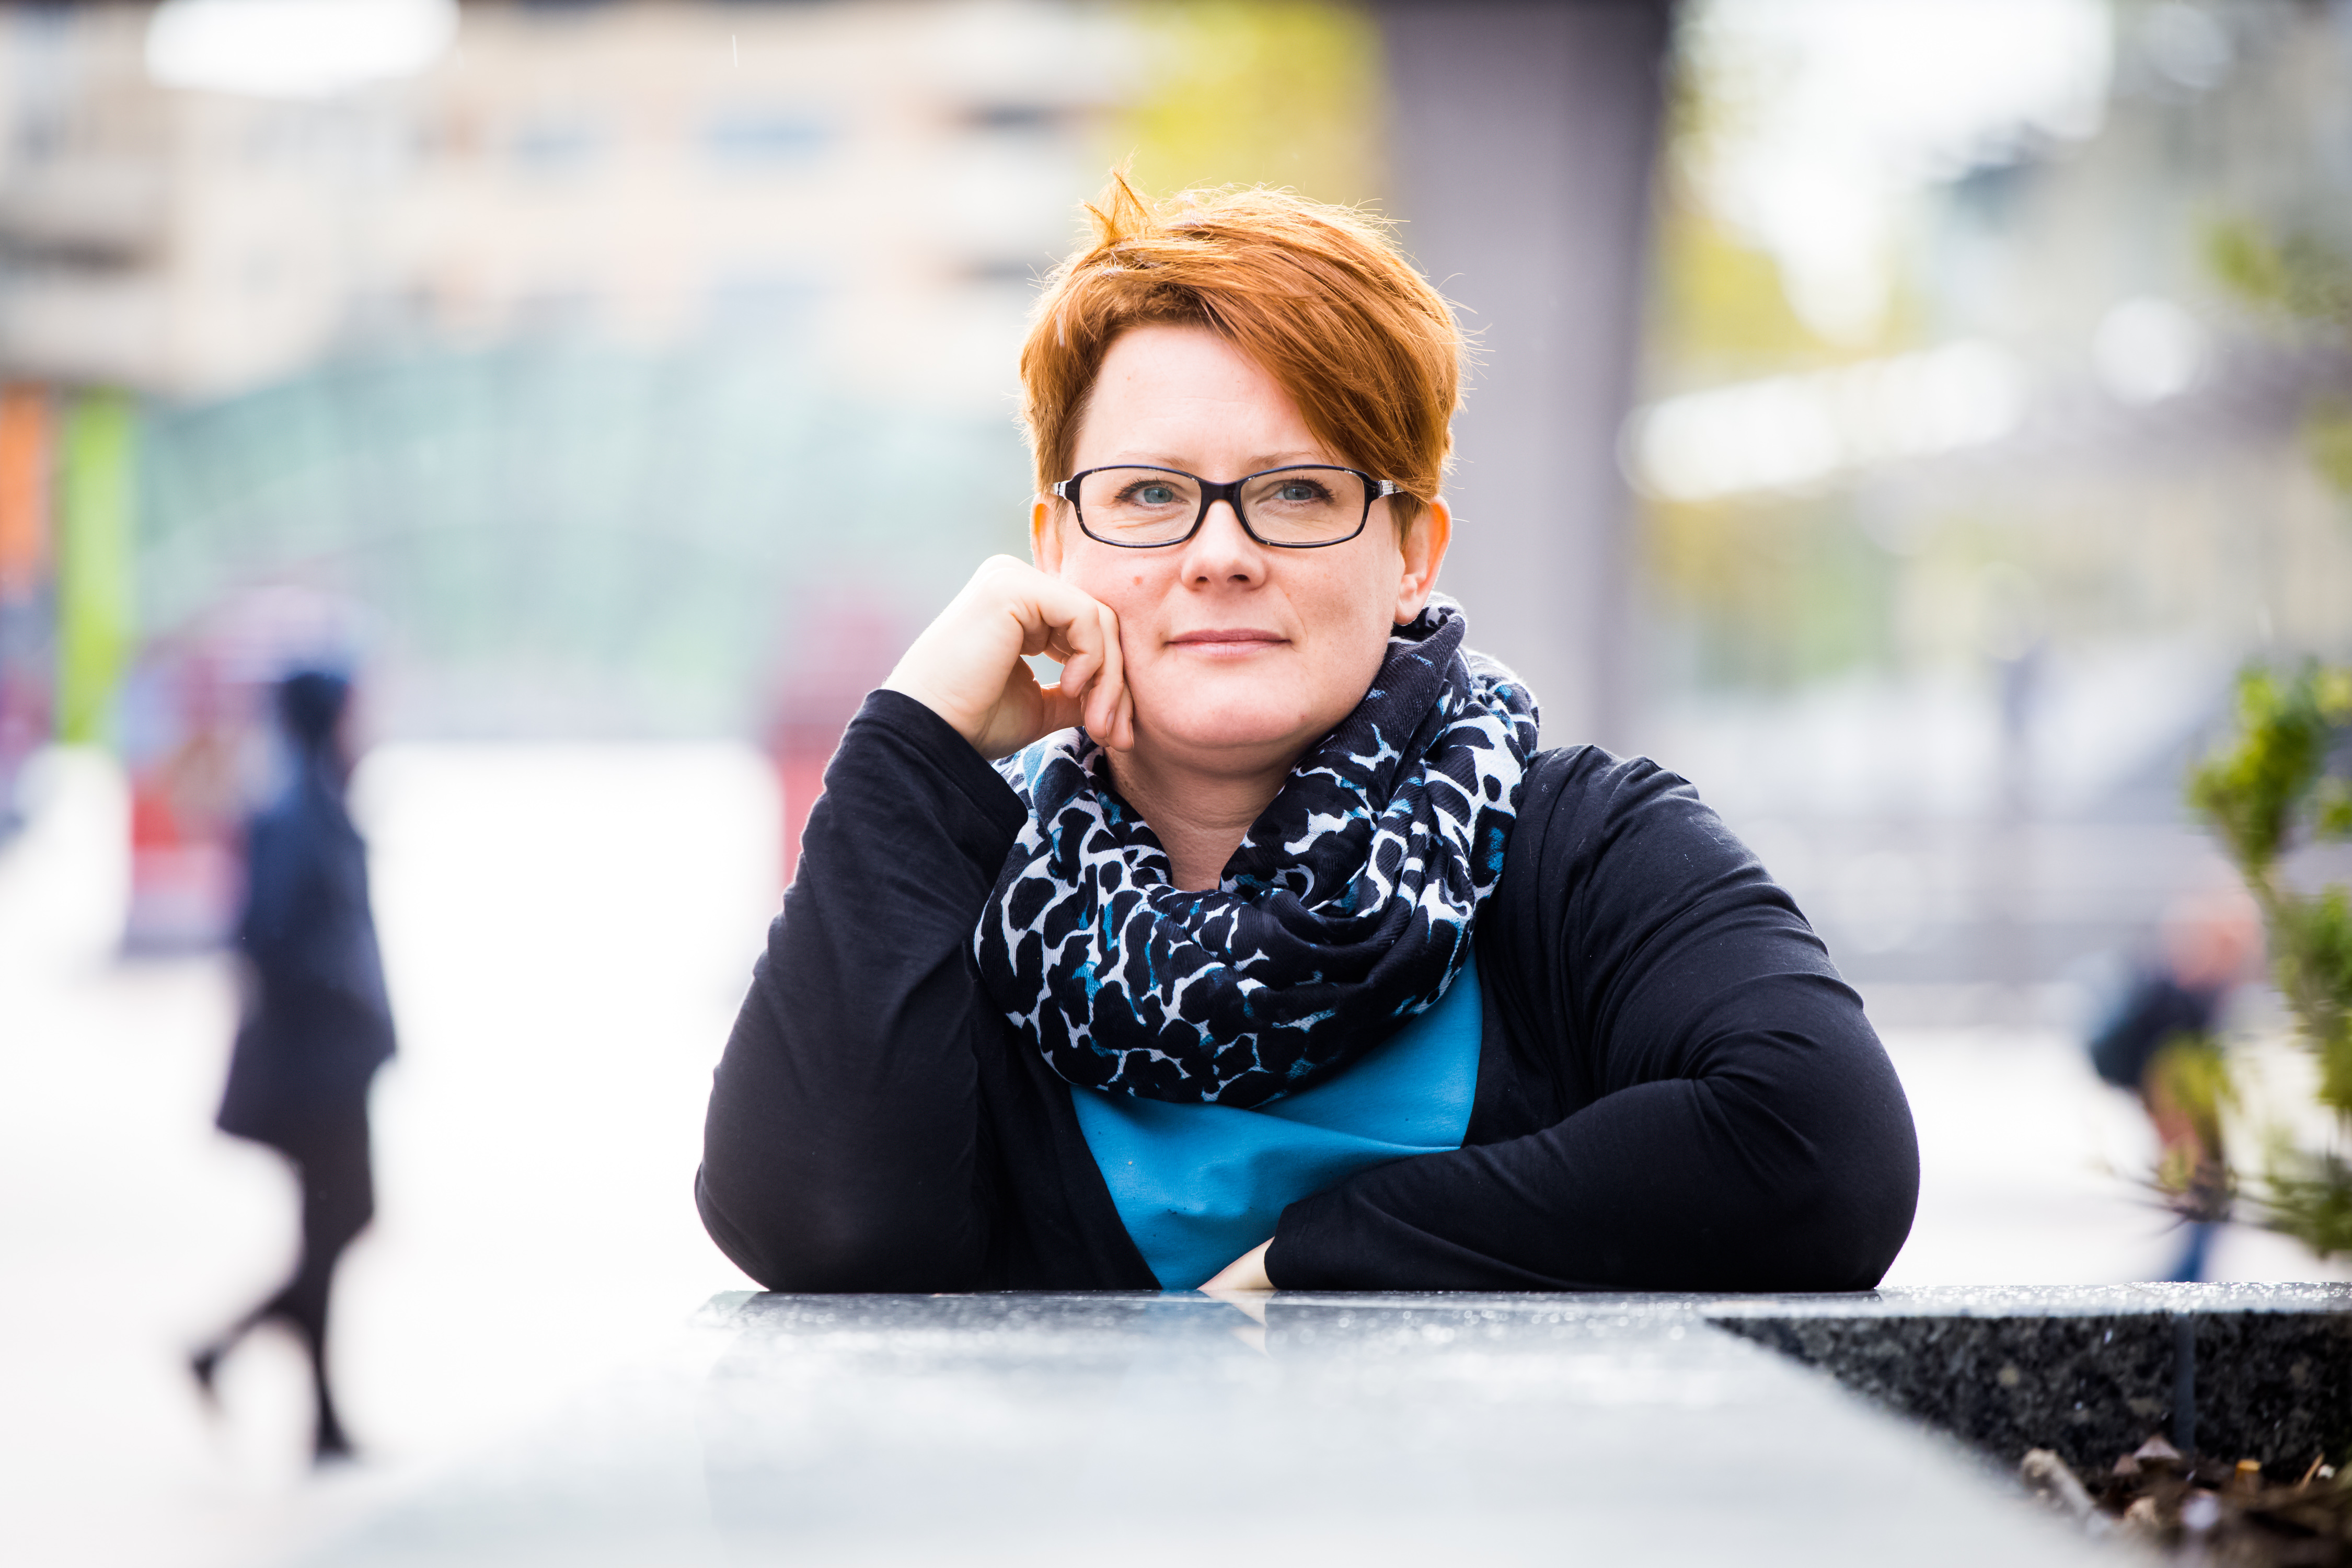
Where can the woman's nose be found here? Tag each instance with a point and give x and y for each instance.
(1223, 550)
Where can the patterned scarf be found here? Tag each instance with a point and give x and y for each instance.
(1345, 912)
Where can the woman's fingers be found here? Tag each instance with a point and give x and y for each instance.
(1107, 691)
(967, 665)
(1124, 727)
(1084, 634)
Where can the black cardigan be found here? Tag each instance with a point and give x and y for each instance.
(1676, 1091)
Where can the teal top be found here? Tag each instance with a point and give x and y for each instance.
(1198, 1186)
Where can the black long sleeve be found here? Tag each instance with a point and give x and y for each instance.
(1674, 1092)
(1712, 1110)
(840, 1152)
(871, 1125)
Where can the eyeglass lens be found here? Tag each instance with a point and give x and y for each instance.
(1286, 506)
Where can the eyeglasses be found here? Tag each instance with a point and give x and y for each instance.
(1304, 507)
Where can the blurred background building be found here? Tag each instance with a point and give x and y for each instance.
(1899, 416)
(637, 370)
(1995, 378)
(599, 362)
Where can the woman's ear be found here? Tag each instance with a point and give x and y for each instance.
(1422, 544)
(1044, 539)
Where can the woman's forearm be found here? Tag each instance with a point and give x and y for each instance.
(841, 1148)
(1735, 1123)
(1720, 1184)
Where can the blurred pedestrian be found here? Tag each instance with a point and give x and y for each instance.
(2159, 1043)
(317, 1024)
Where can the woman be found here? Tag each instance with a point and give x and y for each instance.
(1270, 951)
(317, 1025)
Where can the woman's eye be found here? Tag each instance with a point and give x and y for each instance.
(1300, 492)
(1155, 495)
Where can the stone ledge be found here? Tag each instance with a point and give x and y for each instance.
(1030, 1429)
(2234, 1372)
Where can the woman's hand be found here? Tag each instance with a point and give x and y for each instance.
(968, 668)
(1246, 1272)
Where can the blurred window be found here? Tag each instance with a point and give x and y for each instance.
(556, 146)
(757, 139)
(556, 314)
(760, 303)
(1035, 118)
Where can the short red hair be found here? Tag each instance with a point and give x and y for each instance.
(1319, 296)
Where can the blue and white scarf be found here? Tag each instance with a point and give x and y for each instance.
(1345, 912)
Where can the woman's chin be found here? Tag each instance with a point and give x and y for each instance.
(1191, 726)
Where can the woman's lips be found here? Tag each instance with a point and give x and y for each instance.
(1229, 641)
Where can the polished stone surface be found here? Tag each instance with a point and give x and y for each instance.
(1151, 1428)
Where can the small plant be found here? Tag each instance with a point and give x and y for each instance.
(2265, 792)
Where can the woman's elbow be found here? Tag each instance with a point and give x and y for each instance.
(1853, 1214)
(822, 1250)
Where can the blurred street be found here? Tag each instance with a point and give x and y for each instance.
(568, 932)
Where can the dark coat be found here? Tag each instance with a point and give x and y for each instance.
(2156, 1012)
(317, 1022)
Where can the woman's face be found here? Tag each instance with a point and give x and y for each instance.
(1239, 656)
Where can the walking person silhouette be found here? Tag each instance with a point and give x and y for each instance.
(316, 1027)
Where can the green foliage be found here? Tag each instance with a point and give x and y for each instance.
(2303, 282)
(2300, 276)
(2327, 437)
(1718, 311)
(2331, 814)
(2262, 791)
(2193, 1075)
(2251, 790)
(2245, 262)
(1256, 92)
(2312, 941)
(2190, 1078)
(2309, 1197)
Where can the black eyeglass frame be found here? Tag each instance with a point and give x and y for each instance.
(1231, 494)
